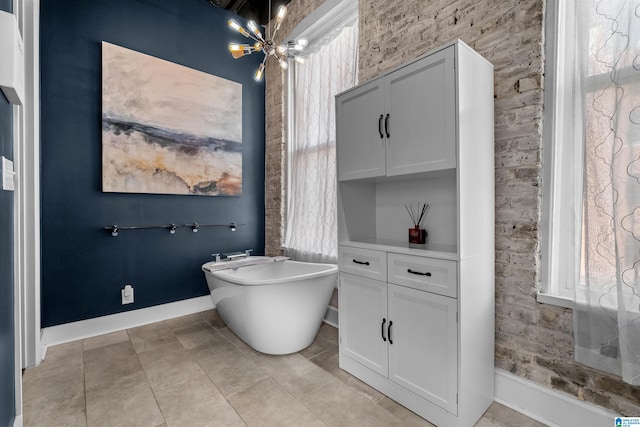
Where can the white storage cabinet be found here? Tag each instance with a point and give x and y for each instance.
(417, 321)
(401, 123)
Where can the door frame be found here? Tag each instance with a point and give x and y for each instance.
(27, 194)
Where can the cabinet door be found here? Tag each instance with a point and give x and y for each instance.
(422, 115)
(360, 139)
(363, 314)
(423, 345)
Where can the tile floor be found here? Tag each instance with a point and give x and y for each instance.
(193, 371)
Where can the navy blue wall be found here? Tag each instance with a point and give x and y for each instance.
(83, 266)
(7, 343)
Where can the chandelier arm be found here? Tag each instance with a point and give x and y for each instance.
(275, 31)
(269, 24)
(251, 36)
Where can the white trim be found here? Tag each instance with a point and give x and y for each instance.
(549, 128)
(323, 18)
(561, 221)
(27, 199)
(331, 316)
(546, 298)
(18, 285)
(82, 329)
(548, 406)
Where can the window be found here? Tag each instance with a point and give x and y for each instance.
(330, 68)
(576, 123)
(562, 183)
(591, 217)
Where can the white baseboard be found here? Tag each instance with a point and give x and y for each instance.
(548, 406)
(74, 331)
(331, 316)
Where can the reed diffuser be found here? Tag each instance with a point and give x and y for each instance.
(417, 234)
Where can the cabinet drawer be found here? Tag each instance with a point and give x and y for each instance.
(426, 274)
(363, 262)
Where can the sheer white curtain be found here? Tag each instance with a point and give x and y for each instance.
(330, 68)
(607, 304)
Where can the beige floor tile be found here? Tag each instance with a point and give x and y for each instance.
(125, 401)
(106, 365)
(167, 367)
(61, 361)
(268, 404)
(55, 376)
(318, 346)
(196, 402)
(104, 340)
(230, 369)
(408, 418)
(500, 416)
(178, 322)
(329, 333)
(236, 341)
(61, 412)
(55, 389)
(340, 405)
(194, 361)
(197, 335)
(212, 317)
(65, 386)
(63, 351)
(329, 362)
(117, 390)
(295, 373)
(153, 337)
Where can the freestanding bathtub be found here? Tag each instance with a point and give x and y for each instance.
(274, 306)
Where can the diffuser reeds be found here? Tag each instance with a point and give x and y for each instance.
(419, 215)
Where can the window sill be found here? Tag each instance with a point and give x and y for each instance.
(554, 300)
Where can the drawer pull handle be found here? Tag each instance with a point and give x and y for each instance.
(361, 262)
(389, 332)
(419, 273)
(380, 126)
(382, 329)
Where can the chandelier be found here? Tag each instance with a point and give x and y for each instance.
(266, 44)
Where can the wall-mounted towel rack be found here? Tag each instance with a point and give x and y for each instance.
(115, 229)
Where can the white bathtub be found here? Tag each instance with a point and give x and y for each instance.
(275, 307)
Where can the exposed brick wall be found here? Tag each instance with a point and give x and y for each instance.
(533, 340)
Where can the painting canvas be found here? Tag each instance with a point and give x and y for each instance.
(167, 128)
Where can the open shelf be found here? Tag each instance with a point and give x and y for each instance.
(373, 213)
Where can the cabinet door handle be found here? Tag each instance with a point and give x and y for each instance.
(380, 126)
(361, 262)
(389, 332)
(386, 126)
(382, 329)
(419, 273)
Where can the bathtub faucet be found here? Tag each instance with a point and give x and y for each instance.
(236, 255)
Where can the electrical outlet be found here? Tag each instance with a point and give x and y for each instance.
(127, 294)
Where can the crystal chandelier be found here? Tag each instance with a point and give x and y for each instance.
(266, 44)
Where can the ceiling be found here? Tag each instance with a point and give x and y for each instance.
(258, 10)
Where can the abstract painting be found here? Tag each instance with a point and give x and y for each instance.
(168, 129)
